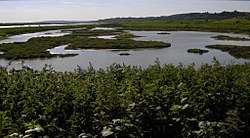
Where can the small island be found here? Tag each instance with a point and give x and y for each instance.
(197, 51)
(163, 33)
(235, 51)
(124, 54)
(229, 38)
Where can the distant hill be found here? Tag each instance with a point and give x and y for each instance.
(189, 16)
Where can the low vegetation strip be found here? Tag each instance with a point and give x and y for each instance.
(236, 51)
(22, 30)
(229, 26)
(225, 37)
(97, 43)
(125, 101)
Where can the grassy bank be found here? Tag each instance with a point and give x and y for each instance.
(125, 101)
(79, 39)
(236, 51)
(225, 37)
(229, 26)
(2, 37)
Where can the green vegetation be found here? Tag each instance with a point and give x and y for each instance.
(22, 30)
(124, 54)
(163, 33)
(236, 51)
(97, 43)
(2, 37)
(126, 35)
(229, 26)
(197, 51)
(90, 33)
(37, 47)
(225, 37)
(124, 101)
(33, 48)
(187, 16)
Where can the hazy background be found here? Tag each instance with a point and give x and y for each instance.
(40, 10)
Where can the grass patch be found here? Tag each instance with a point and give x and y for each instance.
(96, 43)
(235, 51)
(126, 35)
(197, 51)
(91, 33)
(2, 38)
(225, 37)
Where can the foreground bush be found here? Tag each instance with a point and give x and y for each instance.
(125, 101)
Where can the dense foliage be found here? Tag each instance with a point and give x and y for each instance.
(125, 101)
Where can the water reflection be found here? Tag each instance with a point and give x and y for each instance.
(103, 28)
(107, 37)
(62, 50)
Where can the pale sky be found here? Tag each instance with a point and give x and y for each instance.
(40, 10)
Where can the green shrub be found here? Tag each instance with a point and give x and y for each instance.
(126, 101)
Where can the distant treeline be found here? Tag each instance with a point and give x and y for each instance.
(188, 16)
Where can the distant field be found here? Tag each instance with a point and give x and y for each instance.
(235, 26)
(232, 25)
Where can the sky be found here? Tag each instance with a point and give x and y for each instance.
(84, 10)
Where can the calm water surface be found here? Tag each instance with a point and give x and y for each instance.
(177, 53)
(26, 37)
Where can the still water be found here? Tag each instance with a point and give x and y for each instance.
(26, 37)
(176, 54)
